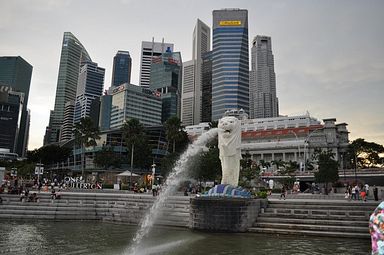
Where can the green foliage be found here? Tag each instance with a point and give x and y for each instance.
(289, 167)
(167, 163)
(288, 182)
(210, 165)
(328, 169)
(366, 153)
(137, 142)
(213, 124)
(264, 164)
(261, 194)
(107, 158)
(249, 173)
(49, 154)
(107, 186)
(175, 134)
(86, 133)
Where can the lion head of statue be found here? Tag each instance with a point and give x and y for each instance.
(228, 126)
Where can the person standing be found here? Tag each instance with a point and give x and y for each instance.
(353, 192)
(357, 189)
(375, 193)
(283, 191)
(366, 186)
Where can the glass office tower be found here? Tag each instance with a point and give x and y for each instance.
(166, 77)
(230, 61)
(73, 54)
(122, 65)
(16, 73)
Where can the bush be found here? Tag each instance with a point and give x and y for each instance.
(107, 186)
(261, 194)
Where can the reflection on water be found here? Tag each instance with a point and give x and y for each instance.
(44, 237)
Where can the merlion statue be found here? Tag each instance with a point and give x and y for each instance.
(229, 147)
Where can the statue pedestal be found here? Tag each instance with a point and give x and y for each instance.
(218, 214)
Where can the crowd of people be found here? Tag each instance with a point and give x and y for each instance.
(357, 192)
(27, 190)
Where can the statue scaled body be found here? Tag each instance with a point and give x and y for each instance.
(229, 147)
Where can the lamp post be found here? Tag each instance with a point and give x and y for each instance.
(354, 152)
(342, 165)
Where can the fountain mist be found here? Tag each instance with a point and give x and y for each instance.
(177, 175)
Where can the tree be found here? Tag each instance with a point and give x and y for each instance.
(365, 153)
(249, 173)
(107, 158)
(133, 134)
(175, 133)
(50, 154)
(86, 134)
(328, 169)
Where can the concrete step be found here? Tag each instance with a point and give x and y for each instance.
(312, 221)
(309, 233)
(49, 217)
(323, 202)
(324, 207)
(345, 213)
(307, 216)
(328, 228)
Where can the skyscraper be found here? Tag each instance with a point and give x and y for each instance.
(67, 127)
(188, 95)
(89, 87)
(263, 102)
(11, 109)
(148, 51)
(201, 45)
(73, 54)
(230, 61)
(122, 65)
(166, 76)
(131, 101)
(16, 73)
(206, 87)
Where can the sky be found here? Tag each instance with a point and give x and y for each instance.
(329, 55)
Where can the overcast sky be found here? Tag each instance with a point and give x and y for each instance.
(329, 55)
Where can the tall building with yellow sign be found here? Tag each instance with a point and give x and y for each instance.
(230, 61)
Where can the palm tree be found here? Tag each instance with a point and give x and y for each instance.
(213, 124)
(86, 134)
(133, 133)
(173, 131)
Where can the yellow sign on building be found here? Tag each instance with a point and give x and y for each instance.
(230, 23)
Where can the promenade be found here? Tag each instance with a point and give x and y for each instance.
(300, 214)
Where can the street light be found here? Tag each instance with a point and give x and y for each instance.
(342, 166)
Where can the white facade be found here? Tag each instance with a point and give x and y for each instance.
(291, 138)
(131, 101)
(187, 97)
(149, 50)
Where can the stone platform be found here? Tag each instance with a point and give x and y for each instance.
(218, 214)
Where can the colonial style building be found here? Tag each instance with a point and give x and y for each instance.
(290, 138)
